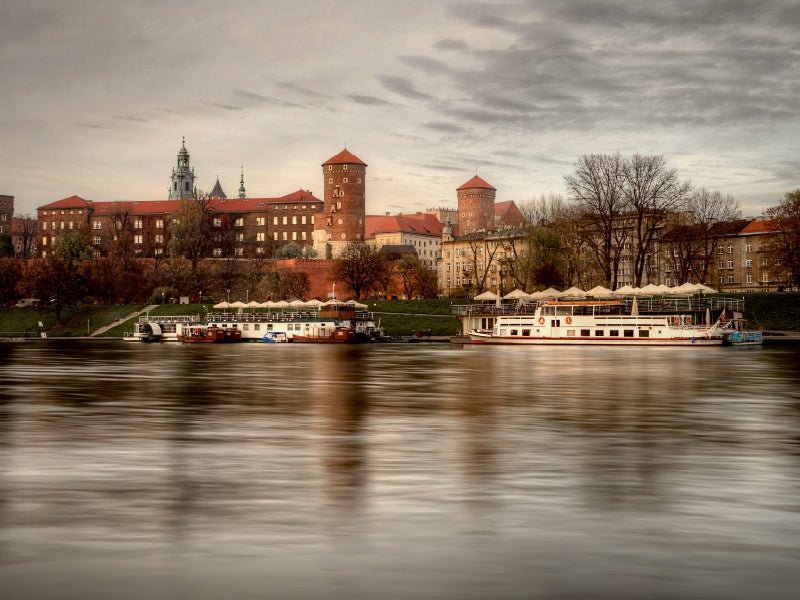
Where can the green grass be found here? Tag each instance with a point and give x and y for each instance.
(75, 320)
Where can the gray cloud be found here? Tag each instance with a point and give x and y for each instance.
(402, 87)
(367, 100)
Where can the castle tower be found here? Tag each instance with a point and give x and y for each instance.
(343, 220)
(182, 178)
(242, 191)
(475, 206)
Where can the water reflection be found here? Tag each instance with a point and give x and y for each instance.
(436, 471)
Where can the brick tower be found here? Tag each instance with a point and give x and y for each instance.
(475, 206)
(343, 220)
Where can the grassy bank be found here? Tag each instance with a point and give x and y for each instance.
(774, 311)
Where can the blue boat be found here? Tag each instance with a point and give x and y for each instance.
(742, 338)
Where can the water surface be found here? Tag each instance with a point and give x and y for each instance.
(398, 471)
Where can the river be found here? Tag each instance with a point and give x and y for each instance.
(398, 471)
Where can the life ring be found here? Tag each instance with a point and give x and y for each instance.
(541, 320)
(569, 320)
(676, 319)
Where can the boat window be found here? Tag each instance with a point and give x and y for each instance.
(526, 332)
(585, 333)
(502, 332)
(269, 326)
(257, 326)
(563, 310)
(628, 333)
(514, 332)
(613, 333)
(570, 333)
(644, 333)
(598, 332)
(549, 310)
(245, 327)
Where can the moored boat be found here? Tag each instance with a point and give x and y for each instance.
(202, 334)
(337, 335)
(595, 323)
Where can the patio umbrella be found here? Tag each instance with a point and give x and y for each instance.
(223, 304)
(599, 291)
(487, 296)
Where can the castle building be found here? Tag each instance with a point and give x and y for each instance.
(342, 222)
(476, 206)
(238, 226)
(418, 233)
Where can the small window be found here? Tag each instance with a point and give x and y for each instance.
(613, 333)
(628, 333)
(598, 333)
(644, 333)
(585, 333)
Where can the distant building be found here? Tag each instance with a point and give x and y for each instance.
(6, 214)
(421, 233)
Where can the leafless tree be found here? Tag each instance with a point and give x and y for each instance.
(652, 192)
(785, 237)
(25, 228)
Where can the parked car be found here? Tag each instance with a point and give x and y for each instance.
(25, 302)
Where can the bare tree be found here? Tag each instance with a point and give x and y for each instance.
(596, 186)
(25, 228)
(708, 209)
(652, 192)
(190, 230)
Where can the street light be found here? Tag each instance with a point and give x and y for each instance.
(201, 296)
(229, 295)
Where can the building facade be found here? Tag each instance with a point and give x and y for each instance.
(419, 232)
(6, 214)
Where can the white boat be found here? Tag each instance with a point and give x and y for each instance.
(595, 323)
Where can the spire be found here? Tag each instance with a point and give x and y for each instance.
(182, 177)
(241, 185)
(217, 192)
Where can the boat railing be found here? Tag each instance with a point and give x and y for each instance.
(260, 317)
(168, 319)
(653, 304)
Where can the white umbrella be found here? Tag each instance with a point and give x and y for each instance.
(664, 289)
(357, 305)
(238, 304)
(297, 302)
(548, 293)
(517, 294)
(599, 292)
(223, 304)
(650, 288)
(635, 308)
(687, 288)
(625, 290)
(314, 303)
(702, 287)
(486, 296)
(573, 292)
(254, 304)
(280, 304)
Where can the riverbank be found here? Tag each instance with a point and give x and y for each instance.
(777, 314)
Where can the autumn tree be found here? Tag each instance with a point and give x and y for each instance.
(190, 231)
(707, 210)
(10, 273)
(357, 267)
(784, 237)
(297, 283)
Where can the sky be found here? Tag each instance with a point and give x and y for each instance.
(97, 95)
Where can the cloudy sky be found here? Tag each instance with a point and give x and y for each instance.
(98, 94)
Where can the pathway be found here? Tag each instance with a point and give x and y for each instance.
(133, 315)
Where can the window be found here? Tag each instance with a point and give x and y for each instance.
(730, 248)
(275, 235)
(294, 235)
(765, 277)
(285, 235)
(644, 333)
(159, 251)
(721, 264)
(159, 238)
(159, 223)
(748, 248)
(72, 224)
(720, 250)
(239, 222)
(137, 224)
(217, 252)
(97, 240)
(749, 278)
(260, 221)
(764, 262)
(294, 220)
(274, 220)
(303, 235)
(730, 264)
(239, 237)
(627, 333)
(44, 225)
(598, 333)
(303, 219)
(95, 225)
(239, 251)
(260, 236)
(285, 220)
(730, 278)
(748, 263)
(217, 222)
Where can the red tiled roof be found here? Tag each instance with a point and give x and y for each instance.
(71, 202)
(344, 157)
(418, 223)
(762, 226)
(156, 207)
(476, 182)
(501, 208)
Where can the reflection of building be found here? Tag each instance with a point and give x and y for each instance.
(242, 226)
(418, 233)
(344, 176)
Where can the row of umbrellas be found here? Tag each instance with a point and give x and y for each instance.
(286, 304)
(601, 292)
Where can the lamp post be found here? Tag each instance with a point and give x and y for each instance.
(229, 295)
(201, 296)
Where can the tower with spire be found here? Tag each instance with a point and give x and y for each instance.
(182, 178)
(242, 192)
